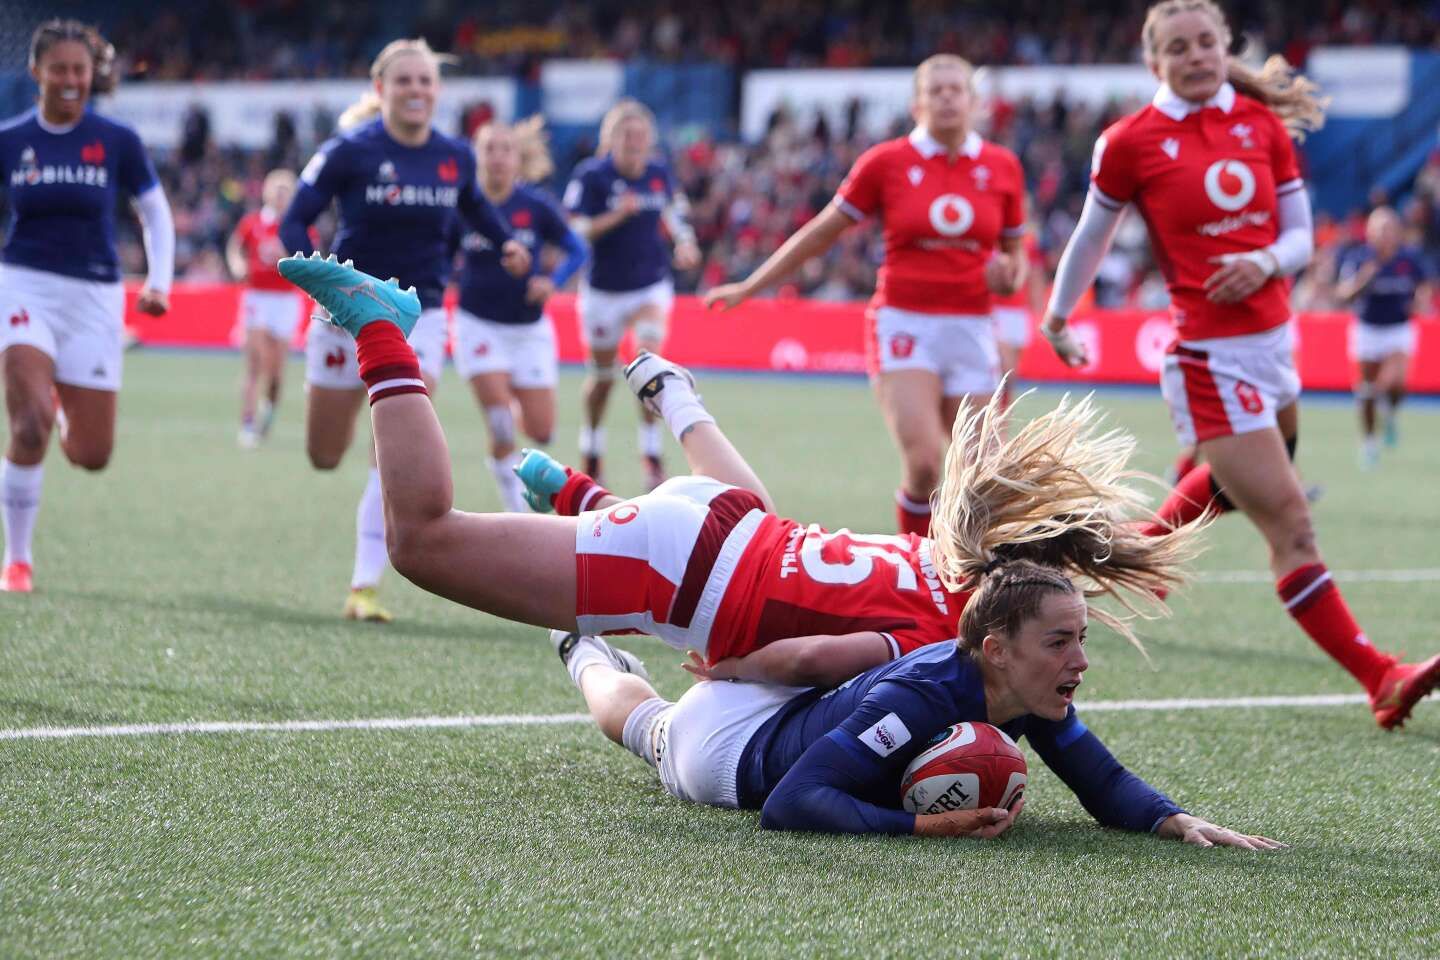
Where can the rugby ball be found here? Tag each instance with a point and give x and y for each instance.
(966, 767)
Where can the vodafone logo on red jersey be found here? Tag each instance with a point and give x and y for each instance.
(1229, 184)
(951, 215)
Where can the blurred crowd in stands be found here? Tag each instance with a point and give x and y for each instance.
(331, 38)
(746, 198)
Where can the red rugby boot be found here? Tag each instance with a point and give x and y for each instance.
(1403, 686)
(17, 578)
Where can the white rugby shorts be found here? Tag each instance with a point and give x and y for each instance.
(958, 348)
(1373, 342)
(526, 351)
(703, 735)
(1012, 325)
(1229, 385)
(605, 315)
(277, 312)
(330, 351)
(77, 323)
(659, 564)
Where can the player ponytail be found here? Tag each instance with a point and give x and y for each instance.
(102, 52)
(1055, 495)
(1292, 96)
(364, 110)
(532, 146)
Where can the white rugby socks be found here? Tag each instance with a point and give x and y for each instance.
(586, 653)
(592, 441)
(680, 407)
(512, 491)
(370, 554)
(19, 505)
(651, 442)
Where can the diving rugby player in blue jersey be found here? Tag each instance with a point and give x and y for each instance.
(399, 184)
(62, 304)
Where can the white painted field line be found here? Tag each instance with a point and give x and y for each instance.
(1419, 575)
(294, 726)
(530, 720)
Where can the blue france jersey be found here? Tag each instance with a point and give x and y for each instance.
(63, 190)
(397, 204)
(1388, 299)
(833, 760)
(634, 254)
(487, 290)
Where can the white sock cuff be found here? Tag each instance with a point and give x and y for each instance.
(592, 441)
(650, 439)
(15, 476)
(586, 654)
(918, 507)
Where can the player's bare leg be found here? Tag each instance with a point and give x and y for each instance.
(330, 416)
(649, 325)
(1366, 394)
(1254, 471)
(521, 567)
(594, 397)
(1391, 386)
(911, 402)
(497, 402)
(29, 376)
(87, 436)
(613, 681)
(255, 369)
(667, 390)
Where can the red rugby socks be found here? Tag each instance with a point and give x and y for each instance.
(1192, 497)
(1311, 597)
(911, 515)
(387, 363)
(579, 494)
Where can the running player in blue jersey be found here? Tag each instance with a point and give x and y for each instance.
(399, 183)
(1388, 284)
(61, 300)
(618, 201)
(505, 342)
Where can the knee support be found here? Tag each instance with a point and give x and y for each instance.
(602, 374)
(649, 332)
(502, 425)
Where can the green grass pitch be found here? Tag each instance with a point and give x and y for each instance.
(195, 582)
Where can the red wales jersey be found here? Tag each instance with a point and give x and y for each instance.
(942, 218)
(258, 233)
(1206, 181)
(797, 581)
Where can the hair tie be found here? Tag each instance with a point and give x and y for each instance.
(995, 564)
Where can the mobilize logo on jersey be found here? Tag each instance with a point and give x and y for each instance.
(411, 195)
(887, 735)
(89, 174)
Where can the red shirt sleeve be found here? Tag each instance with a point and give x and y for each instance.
(1112, 170)
(1014, 208)
(861, 193)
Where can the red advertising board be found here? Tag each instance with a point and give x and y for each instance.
(1126, 346)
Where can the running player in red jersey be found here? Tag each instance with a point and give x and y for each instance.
(1016, 314)
(703, 562)
(1210, 166)
(270, 308)
(953, 208)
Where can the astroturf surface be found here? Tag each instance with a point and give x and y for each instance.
(192, 581)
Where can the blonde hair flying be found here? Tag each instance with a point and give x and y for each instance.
(1058, 494)
(1293, 97)
(626, 108)
(532, 143)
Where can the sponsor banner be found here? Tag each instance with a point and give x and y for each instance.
(580, 91)
(242, 113)
(884, 93)
(1125, 346)
(1362, 82)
